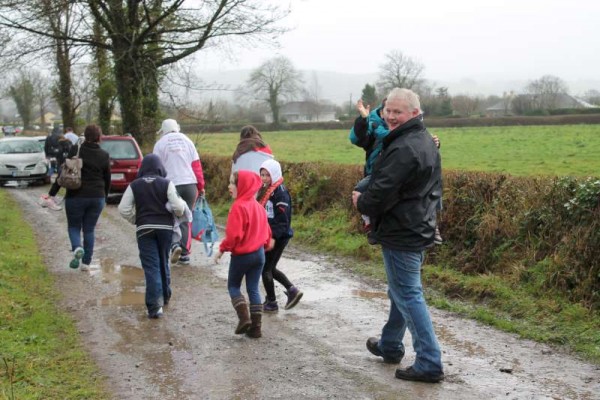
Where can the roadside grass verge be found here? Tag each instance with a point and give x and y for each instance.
(40, 353)
(498, 301)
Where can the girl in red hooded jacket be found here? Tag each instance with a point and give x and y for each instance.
(246, 234)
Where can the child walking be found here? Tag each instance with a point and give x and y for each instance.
(144, 204)
(247, 233)
(277, 201)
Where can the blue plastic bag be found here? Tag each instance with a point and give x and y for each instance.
(203, 225)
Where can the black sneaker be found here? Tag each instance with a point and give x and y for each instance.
(156, 314)
(373, 347)
(175, 253)
(184, 260)
(409, 374)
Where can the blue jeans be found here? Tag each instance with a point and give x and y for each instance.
(249, 265)
(82, 215)
(154, 246)
(409, 310)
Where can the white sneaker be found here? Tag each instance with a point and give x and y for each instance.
(51, 204)
(84, 267)
(43, 199)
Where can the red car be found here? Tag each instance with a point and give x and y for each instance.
(125, 160)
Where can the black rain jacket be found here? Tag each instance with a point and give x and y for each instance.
(405, 188)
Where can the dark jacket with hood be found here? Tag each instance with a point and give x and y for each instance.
(150, 194)
(405, 189)
(51, 145)
(95, 173)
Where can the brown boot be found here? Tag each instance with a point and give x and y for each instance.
(241, 307)
(256, 316)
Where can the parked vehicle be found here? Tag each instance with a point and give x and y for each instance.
(125, 160)
(22, 159)
(9, 130)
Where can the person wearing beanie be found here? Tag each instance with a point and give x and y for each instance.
(277, 201)
(180, 158)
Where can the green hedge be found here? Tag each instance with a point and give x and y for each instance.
(543, 232)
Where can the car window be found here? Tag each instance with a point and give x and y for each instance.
(120, 149)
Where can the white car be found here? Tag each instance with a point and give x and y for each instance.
(22, 159)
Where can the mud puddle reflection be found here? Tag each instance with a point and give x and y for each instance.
(128, 278)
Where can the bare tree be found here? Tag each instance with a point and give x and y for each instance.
(146, 35)
(312, 94)
(22, 92)
(276, 79)
(592, 96)
(57, 19)
(465, 105)
(42, 92)
(546, 91)
(399, 70)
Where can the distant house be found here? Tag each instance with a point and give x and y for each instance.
(303, 111)
(562, 101)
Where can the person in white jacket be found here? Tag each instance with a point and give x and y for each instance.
(182, 163)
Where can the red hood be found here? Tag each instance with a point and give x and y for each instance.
(248, 185)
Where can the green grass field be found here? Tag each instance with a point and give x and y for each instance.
(516, 150)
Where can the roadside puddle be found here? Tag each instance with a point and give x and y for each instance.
(129, 278)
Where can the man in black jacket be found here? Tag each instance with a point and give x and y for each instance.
(401, 200)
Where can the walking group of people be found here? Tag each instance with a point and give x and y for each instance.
(399, 199)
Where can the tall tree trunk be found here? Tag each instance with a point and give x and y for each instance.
(106, 83)
(63, 94)
(274, 109)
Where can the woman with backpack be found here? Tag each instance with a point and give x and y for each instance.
(84, 205)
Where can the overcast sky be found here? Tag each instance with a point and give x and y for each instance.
(456, 39)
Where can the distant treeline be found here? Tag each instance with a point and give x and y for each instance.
(452, 122)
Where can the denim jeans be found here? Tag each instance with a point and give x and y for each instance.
(189, 194)
(250, 266)
(154, 246)
(409, 310)
(82, 215)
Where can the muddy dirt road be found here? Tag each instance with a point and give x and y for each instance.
(315, 351)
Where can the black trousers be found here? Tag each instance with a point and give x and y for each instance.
(270, 271)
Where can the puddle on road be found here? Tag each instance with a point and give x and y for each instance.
(129, 278)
